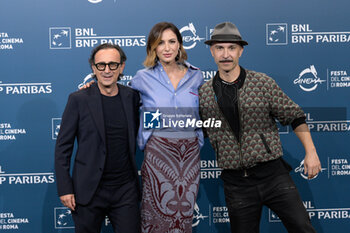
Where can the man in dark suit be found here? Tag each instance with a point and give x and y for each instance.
(104, 120)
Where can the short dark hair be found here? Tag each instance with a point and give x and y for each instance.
(107, 46)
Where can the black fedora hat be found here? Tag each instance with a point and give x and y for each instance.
(226, 32)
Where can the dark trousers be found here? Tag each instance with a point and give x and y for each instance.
(279, 194)
(119, 203)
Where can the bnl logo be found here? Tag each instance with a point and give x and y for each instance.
(60, 38)
(63, 218)
(56, 125)
(276, 34)
(151, 120)
(273, 217)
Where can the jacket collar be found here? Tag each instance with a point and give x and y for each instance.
(94, 102)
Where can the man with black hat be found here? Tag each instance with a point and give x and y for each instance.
(248, 146)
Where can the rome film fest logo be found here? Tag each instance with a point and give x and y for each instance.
(7, 42)
(8, 132)
(189, 36)
(301, 169)
(308, 79)
(9, 221)
(88, 78)
(197, 216)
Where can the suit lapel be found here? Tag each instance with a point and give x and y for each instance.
(128, 109)
(95, 106)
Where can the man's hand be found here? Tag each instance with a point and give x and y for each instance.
(312, 165)
(68, 201)
(87, 85)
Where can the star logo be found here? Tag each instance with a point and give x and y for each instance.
(156, 115)
(151, 120)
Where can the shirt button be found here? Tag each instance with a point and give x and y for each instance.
(175, 94)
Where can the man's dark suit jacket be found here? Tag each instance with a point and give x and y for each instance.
(83, 119)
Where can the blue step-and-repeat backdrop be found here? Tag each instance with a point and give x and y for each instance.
(44, 50)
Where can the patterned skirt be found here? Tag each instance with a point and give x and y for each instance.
(170, 178)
